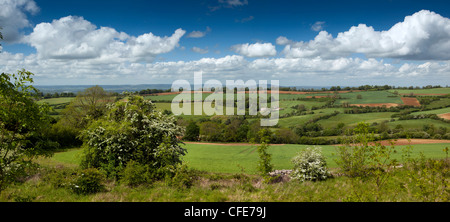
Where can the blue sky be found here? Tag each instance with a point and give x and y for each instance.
(297, 42)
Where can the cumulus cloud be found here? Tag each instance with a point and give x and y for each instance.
(13, 17)
(74, 37)
(255, 50)
(198, 34)
(424, 35)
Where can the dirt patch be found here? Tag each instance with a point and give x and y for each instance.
(445, 115)
(388, 105)
(231, 144)
(410, 101)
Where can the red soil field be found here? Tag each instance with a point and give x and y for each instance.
(410, 101)
(445, 115)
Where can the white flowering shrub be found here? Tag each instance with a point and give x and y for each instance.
(132, 131)
(310, 165)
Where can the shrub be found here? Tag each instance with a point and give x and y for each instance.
(310, 165)
(132, 130)
(59, 177)
(183, 177)
(135, 174)
(88, 181)
(264, 164)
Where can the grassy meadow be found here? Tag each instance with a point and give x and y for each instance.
(232, 159)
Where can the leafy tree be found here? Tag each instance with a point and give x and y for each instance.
(88, 106)
(211, 131)
(192, 131)
(132, 131)
(23, 124)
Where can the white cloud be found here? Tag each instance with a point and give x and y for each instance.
(198, 34)
(72, 50)
(13, 17)
(234, 2)
(199, 50)
(424, 35)
(76, 38)
(255, 50)
(244, 20)
(318, 26)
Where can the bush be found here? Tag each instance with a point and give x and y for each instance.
(183, 177)
(59, 177)
(135, 174)
(132, 130)
(310, 165)
(88, 181)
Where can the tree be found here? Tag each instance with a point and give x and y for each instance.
(192, 131)
(132, 131)
(88, 106)
(211, 131)
(23, 124)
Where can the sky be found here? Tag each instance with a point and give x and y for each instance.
(299, 43)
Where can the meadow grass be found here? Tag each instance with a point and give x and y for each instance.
(418, 123)
(422, 91)
(436, 111)
(235, 159)
(369, 97)
(55, 101)
(353, 119)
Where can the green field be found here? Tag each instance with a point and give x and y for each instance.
(436, 111)
(234, 159)
(369, 97)
(422, 91)
(418, 123)
(353, 119)
(55, 101)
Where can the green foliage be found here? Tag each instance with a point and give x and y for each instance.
(265, 165)
(88, 181)
(310, 165)
(132, 130)
(135, 174)
(88, 106)
(192, 132)
(360, 156)
(79, 181)
(183, 177)
(429, 178)
(23, 126)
